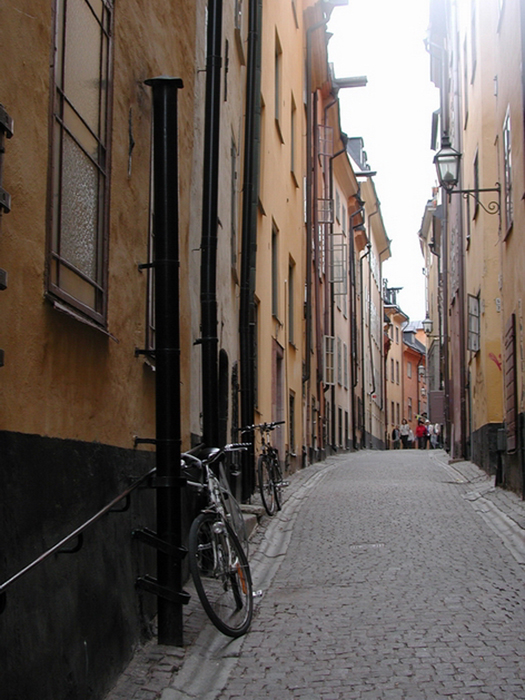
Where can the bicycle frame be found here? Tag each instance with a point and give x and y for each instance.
(216, 489)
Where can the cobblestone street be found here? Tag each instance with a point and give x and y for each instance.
(387, 576)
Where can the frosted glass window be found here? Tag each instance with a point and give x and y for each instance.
(77, 250)
(82, 61)
(79, 209)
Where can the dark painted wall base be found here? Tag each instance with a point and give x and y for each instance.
(484, 447)
(513, 464)
(372, 442)
(508, 468)
(71, 624)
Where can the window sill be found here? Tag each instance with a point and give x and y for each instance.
(62, 308)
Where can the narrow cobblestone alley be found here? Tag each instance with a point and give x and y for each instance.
(387, 576)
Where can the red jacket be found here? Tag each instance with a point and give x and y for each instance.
(421, 430)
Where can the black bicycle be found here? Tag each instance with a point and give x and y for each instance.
(269, 475)
(218, 560)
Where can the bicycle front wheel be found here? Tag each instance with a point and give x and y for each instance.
(277, 482)
(266, 484)
(221, 574)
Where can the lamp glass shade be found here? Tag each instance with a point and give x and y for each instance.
(447, 166)
(427, 325)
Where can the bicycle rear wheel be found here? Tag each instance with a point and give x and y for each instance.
(221, 574)
(266, 484)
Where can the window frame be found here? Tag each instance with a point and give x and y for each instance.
(291, 302)
(67, 121)
(329, 360)
(507, 172)
(474, 325)
(339, 361)
(275, 270)
(278, 80)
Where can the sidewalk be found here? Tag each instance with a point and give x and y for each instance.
(168, 673)
(154, 667)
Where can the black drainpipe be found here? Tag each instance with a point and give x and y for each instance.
(310, 135)
(352, 312)
(209, 339)
(363, 436)
(328, 253)
(249, 239)
(167, 358)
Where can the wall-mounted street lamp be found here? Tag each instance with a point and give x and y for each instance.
(447, 161)
(428, 325)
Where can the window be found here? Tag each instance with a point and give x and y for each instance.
(507, 167)
(275, 272)
(277, 83)
(476, 185)
(392, 414)
(339, 361)
(465, 83)
(291, 284)
(77, 242)
(238, 26)
(329, 360)
(473, 343)
(293, 127)
(291, 422)
(409, 408)
(226, 68)
(397, 335)
(397, 372)
(510, 377)
(392, 378)
(345, 366)
(473, 41)
(398, 421)
(409, 370)
(294, 10)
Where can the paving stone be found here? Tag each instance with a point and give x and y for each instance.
(393, 587)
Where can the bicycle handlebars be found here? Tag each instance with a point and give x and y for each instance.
(263, 427)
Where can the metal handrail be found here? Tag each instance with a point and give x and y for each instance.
(76, 534)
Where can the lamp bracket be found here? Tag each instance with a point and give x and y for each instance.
(492, 207)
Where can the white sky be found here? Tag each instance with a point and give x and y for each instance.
(383, 39)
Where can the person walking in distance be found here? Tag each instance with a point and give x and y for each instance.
(404, 432)
(421, 435)
(395, 437)
(431, 436)
(436, 435)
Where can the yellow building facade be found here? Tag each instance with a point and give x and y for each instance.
(478, 69)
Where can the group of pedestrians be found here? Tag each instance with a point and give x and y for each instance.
(427, 435)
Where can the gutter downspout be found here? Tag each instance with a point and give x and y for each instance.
(309, 223)
(353, 306)
(247, 308)
(363, 436)
(384, 406)
(167, 358)
(373, 389)
(209, 339)
(331, 284)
